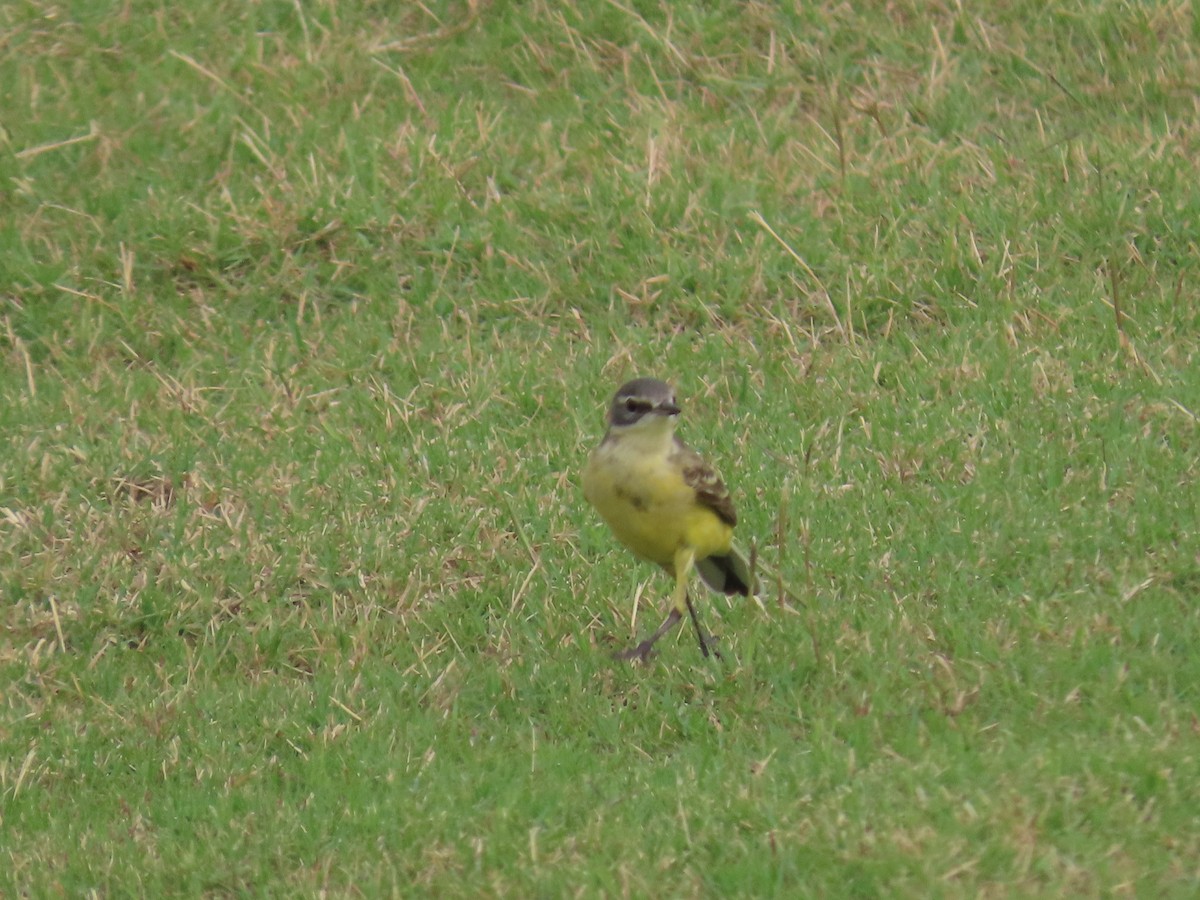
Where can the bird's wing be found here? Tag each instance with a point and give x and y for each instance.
(704, 480)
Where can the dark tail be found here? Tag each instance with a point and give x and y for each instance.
(728, 574)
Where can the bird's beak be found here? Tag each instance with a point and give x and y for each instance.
(668, 409)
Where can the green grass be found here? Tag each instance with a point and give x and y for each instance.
(309, 314)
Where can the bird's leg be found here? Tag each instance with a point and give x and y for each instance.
(684, 559)
(704, 648)
(642, 650)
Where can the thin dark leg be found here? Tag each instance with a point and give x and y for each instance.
(704, 648)
(642, 650)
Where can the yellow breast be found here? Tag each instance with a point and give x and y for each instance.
(648, 505)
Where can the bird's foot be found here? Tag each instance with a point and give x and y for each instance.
(640, 652)
(708, 647)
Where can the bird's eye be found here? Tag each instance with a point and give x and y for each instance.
(631, 404)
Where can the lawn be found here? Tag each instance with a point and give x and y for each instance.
(309, 317)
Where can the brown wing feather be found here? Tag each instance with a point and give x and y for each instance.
(704, 480)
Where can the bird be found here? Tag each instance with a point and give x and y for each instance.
(664, 502)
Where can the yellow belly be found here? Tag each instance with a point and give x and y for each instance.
(650, 508)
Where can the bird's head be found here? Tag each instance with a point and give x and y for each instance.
(644, 403)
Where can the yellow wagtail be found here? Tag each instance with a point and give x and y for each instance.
(664, 502)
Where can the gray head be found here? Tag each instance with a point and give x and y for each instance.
(640, 398)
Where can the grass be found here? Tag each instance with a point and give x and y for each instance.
(308, 317)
